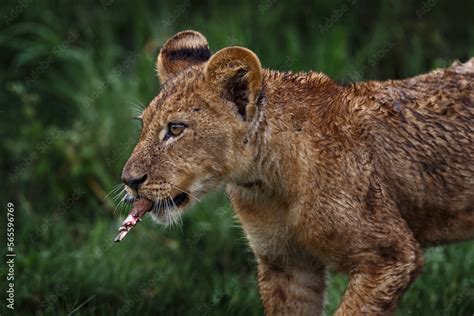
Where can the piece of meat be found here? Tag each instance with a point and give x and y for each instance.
(140, 208)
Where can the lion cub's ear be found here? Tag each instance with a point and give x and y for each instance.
(236, 72)
(181, 51)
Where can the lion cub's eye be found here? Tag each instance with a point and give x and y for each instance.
(175, 129)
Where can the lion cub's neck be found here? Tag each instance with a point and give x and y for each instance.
(296, 107)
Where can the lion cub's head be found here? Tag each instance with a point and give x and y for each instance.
(195, 131)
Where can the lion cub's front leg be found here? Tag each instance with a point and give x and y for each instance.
(385, 259)
(291, 289)
(376, 288)
(291, 280)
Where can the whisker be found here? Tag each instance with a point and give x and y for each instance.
(136, 107)
(172, 216)
(171, 213)
(120, 208)
(177, 218)
(117, 207)
(136, 113)
(118, 196)
(168, 216)
(112, 191)
(156, 207)
(120, 205)
(180, 223)
(137, 103)
(188, 193)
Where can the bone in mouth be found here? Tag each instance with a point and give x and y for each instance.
(140, 208)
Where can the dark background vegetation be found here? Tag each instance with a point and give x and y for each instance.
(72, 75)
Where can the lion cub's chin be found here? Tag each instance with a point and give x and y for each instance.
(168, 212)
(167, 217)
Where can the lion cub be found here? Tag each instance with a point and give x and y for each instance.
(357, 179)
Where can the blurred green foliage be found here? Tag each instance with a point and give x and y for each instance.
(74, 73)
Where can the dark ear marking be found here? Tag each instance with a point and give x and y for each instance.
(182, 50)
(196, 54)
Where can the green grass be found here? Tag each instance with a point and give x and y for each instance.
(73, 74)
(203, 267)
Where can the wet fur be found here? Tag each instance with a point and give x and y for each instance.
(356, 179)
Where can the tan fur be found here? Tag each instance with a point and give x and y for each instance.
(356, 179)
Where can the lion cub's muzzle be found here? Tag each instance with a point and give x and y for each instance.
(134, 182)
(179, 200)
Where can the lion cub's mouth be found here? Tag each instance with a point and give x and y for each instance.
(179, 200)
(167, 211)
(164, 204)
(141, 206)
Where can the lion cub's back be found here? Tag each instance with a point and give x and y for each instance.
(422, 137)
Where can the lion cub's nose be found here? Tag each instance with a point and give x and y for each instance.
(133, 182)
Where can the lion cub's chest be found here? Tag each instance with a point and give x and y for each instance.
(265, 222)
